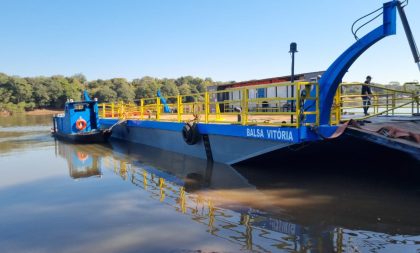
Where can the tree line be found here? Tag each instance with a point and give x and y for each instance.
(28, 93)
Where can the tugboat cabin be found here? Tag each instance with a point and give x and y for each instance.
(79, 117)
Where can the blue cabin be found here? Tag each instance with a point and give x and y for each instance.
(78, 117)
(80, 122)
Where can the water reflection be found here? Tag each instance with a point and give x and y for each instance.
(81, 162)
(21, 132)
(22, 120)
(292, 217)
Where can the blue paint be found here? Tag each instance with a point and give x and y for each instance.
(170, 126)
(332, 77)
(86, 96)
(261, 93)
(281, 134)
(74, 111)
(163, 101)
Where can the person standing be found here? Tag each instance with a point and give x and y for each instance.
(366, 95)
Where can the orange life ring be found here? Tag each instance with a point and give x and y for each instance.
(81, 124)
(82, 156)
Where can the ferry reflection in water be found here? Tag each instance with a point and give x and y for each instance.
(81, 163)
(229, 207)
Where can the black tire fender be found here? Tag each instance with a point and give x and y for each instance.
(190, 133)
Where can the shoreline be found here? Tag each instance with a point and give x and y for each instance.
(36, 112)
(44, 112)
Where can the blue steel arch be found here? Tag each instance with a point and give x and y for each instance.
(334, 74)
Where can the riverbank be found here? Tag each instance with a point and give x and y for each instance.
(44, 112)
(35, 112)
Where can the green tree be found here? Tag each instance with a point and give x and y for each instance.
(20, 89)
(5, 95)
(5, 91)
(106, 94)
(80, 77)
(146, 87)
(124, 89)
(55, 92)
(169, 88)
(40, 94)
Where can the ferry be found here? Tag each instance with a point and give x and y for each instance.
(80, 122)
(232, 125)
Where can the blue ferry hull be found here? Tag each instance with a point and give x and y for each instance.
(228, 144)
(84, 138)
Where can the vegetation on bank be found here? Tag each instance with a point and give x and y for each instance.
(19, 94)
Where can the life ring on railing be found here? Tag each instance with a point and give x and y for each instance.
(81, 124)
(190, 133)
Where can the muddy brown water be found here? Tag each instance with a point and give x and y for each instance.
(119, 197)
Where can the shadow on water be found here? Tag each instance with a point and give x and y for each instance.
(345, 160)
(294, 202)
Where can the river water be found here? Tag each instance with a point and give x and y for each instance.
(59, 197)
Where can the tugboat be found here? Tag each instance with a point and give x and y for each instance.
(80, 122)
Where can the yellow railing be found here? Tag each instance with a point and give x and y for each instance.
(277, 108)
(234, 106)
(384, 101)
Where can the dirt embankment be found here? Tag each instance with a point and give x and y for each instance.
(34, 112)
(5, 113)
(43, 112)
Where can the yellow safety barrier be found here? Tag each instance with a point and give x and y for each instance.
(234, 106)
(384, 101)
(277, 107)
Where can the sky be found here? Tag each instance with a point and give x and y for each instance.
(226, 40)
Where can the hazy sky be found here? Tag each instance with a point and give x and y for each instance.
(222, 39)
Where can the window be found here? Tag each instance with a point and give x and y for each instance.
(79, 107)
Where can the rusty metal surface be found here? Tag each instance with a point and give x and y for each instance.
(400, 133)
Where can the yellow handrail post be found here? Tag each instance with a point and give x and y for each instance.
(341, 102)
(337, 102)
(297, 97)
(245, 96)
(121, 111)
(142, 108)
(418, 100)
(157, 108)
(103, 110)
(376, 104)
(118, 109)
(317, 104)
(206, 107)
(144, 179)
(217, 111)
(179, 107)
(340, 105)
(393, 102)
(112, 110)
(162, 187)
(334, 108)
